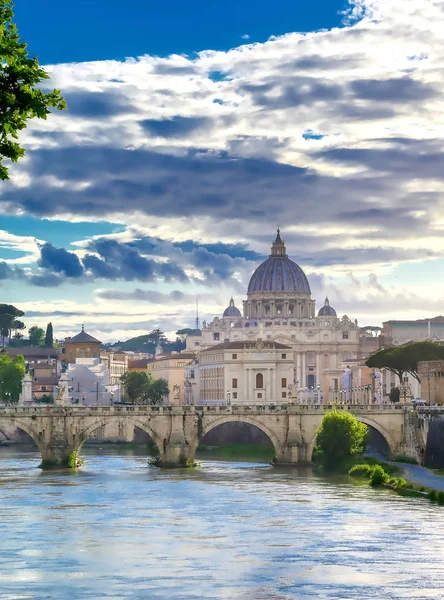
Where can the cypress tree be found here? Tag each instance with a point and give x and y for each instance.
(49, 337)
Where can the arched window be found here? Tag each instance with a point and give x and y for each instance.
(259, 381)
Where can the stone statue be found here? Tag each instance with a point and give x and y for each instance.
(176, 392)
(259, 344)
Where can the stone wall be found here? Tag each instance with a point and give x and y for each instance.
(434, 453)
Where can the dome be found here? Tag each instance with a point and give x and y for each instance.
(327, 310)
(231, 310)
(278, 273)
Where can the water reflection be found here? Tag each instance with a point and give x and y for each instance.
(118, 529)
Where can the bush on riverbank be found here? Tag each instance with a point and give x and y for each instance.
(405, 459)
(340, 438)
(262, 452)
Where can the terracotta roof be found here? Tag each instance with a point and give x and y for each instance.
(138, 363)
(82, 338)
(266, 345)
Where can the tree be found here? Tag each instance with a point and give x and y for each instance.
(339, 437)
(8, 316)
(49, 337)
(156, 391)
(21, 98)
(395, 394)
(12, 371)
(135, 384)
(36, 335)
(404, 359)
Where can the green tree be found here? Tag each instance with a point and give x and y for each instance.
(156, 391)
(21, 98)
(404, 359)
(12, 371)
(135, 384)
(8, 316)
(340, 437)
(395, 394)
(49, 337)
(36, 335)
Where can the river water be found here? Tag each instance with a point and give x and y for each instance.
(237, 531)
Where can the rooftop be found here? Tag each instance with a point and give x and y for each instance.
(82, 337)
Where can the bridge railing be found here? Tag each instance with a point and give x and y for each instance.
(82, 411)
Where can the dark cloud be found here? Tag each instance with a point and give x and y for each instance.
(8, 272)
(93, 105)
(175, 127)
(293, 92)
(400, 89)
(46, 280)
(60, 260)
(146, 296)
(231, 250)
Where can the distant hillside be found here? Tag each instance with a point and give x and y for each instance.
(147, 343)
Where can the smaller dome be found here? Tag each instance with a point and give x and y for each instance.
(327, 310)
(231, 310)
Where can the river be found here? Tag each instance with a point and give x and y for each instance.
(227, 530)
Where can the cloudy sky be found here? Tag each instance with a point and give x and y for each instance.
(193, 131)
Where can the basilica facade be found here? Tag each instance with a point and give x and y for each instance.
(280, 309)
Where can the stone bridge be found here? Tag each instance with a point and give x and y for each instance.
(177, 430)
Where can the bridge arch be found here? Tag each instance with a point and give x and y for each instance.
(255, 422)
(84, 434)
(367, 421)
(24, 426)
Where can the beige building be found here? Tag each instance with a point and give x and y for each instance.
(246, 373)
(431, 373)
(279, 308)
(172, 368)
(400, 332)
(81, 345)
(117, 364)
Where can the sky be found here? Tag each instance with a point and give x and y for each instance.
(195, 129)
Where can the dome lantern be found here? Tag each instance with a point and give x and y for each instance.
(327, 310)
(232, 310)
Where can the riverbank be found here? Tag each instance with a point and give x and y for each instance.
(241, 452)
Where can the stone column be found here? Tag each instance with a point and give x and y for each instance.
(286, 308)
(246, 378)
(303, 372)
(26, 393)
(259, 309)
(298, 368)
(272, 309)
(318, 368)
(249, 309)
(275, 397)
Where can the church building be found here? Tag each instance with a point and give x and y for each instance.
(279, 308)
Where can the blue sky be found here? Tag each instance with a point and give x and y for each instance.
(85, 30)
(194, 129)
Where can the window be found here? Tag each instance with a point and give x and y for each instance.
(234, 356)
(234, 384)
(234, 395)
(259, 395)
(197, 343)
(216, 336)
(259, 381)
(284, 394)
(284, 356)
(284, 382)
(345, 335)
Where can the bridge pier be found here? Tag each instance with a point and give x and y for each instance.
(55, 455)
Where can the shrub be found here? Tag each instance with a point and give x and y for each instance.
(361, 470)
(432, 495)
(378, 476)
(440, 497)
(405, 459)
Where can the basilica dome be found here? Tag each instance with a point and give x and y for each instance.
(278, 273)
(327, 310)
(231, 310)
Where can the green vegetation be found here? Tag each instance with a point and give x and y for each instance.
(49, 336)
(341, 437)
(73, 461)
(395, 395)
(45, 399)
(261, 452)
(148, 343)
(379, 476)
(36, 336)
(405, 459)
(404, 359)
(12, 371)
(9, 314)
(140, 386)
(21, 96)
